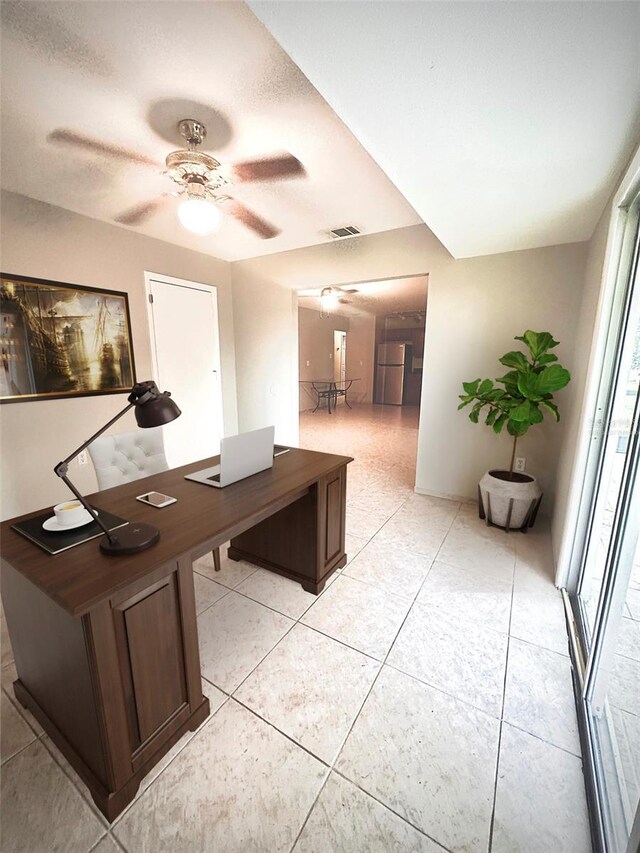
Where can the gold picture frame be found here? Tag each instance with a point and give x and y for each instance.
(61, 340)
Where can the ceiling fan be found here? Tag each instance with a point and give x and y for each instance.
(329, 297)
(332, 294)
(200, 179)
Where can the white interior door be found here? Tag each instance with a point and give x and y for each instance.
(186, 351)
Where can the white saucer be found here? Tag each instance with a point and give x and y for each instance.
(53, 526)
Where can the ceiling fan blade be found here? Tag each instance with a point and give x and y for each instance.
(267, 169)
(262, 228)
(70, 137)
(136, 215)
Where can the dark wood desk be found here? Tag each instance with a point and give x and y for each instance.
(106, 648)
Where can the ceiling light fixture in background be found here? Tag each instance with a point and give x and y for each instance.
(328, 301)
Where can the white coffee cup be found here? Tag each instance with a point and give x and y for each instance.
(68, 513)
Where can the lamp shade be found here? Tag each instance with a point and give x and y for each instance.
(153, 407)
(199, 215)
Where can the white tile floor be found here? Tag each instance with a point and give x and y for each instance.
(422, 703)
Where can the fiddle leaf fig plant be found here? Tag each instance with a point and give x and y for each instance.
(527, 389)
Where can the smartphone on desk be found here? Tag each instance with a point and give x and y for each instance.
(156, 499)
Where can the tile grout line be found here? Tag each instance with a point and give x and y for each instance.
(139, 796)
(294, 623)
(435, 687)
(6, 761)
(357, 715)
(542, 740)
(390, 808)
(74, 778)
(21, 709)
(84, 794)
(504, 696)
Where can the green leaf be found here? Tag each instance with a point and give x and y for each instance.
(527, 412)
(471, 387)
(496, 394)
(537, 342)
(515, 359)
(520, 412)
(510, 381)
(500, 422)
(528, 386)
(552, 379)
(517, 428)
(473, 416)
(536, 415)
(551, 407)
(493, 413)
(548, 358)
(485, 386)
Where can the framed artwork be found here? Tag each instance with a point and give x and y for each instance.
(62, 340)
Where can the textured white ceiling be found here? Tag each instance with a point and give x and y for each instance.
(505, 124)
(127, 72)
(374, 297)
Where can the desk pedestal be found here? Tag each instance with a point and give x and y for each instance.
(106, 651)
(305, 540)
(120, 685)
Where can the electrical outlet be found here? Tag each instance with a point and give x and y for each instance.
(83, 458)
(308, 362)
(520, 463)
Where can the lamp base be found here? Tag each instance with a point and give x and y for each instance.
(130, 539)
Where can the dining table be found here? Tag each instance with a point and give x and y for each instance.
(329, 390)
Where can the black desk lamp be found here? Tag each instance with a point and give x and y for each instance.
(153, 408)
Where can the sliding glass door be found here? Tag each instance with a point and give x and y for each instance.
(608, 590)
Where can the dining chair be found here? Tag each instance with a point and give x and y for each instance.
(129, 456)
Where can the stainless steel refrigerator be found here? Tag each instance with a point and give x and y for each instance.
(390, 367)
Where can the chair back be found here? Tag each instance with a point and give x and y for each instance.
(129, 456)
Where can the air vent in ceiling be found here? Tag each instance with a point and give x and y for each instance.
(345, 231)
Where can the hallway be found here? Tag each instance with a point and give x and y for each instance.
(382, 440)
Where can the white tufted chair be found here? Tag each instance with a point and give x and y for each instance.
(129, 456)
(122, 458)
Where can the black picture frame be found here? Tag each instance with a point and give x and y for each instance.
(60, 340)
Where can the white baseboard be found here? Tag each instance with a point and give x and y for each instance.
(462, 498)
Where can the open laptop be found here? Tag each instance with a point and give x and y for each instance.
(240, 456)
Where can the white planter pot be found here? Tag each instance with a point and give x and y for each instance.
(509, 503)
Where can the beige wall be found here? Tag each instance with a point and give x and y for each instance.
(315, 349)
(475, 308)
(361, 348)
(576, 392)
(266, 339)
(47, 242)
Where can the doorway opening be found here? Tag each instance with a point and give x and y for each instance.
(181, 311)
(339, 355)
(361, 349)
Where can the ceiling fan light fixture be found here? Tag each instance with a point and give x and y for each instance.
(328, 301)
(199, 215)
